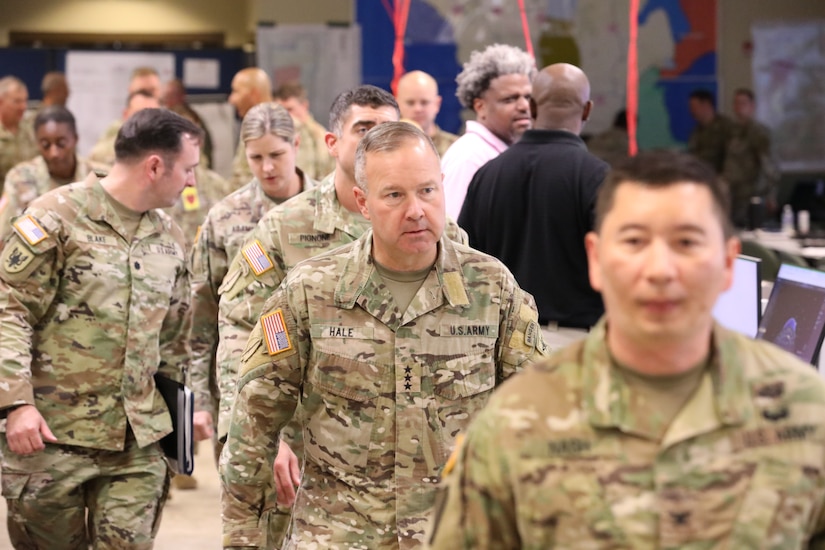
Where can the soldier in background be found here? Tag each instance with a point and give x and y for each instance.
(419, 101)
(94, 295)
(57, 165)
(709, 139)
(313, 156)
(391, 343)
(174, 99)
(250, 87)
(749, 167)
(270, 143)
(16, 138)
(611, 145)
(662, 429)
(55, 89)
(103, 151)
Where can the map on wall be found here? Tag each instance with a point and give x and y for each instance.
(789, 80)
(677, 49)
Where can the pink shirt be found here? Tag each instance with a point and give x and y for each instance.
(461, 161)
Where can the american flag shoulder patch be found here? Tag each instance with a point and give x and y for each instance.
(257, 258)
(30, 230)
(275, 333)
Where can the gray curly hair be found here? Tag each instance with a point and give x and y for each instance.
(484, 66)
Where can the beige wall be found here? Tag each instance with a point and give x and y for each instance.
(128, 16)
(735, 20)
(302, 11)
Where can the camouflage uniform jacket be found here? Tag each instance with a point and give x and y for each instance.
(442, 140)
(748, 167)
(104, 150)
(28, 180)
(16, 148)
(241, 173)
(561, 458)
(710, 142)
(89, 318)
(219, 240)
(300, 228)
(380, 394)
(313, 156)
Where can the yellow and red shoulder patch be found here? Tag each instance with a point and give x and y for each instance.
(275, 332)
(190, 199)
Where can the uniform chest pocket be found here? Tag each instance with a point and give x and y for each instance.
(779, 505)
(461, 388)
(157, 273)
(342, 412)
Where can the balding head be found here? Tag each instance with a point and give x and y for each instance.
(418, 100)
(250, 87)
(561, 98)
(55, 89)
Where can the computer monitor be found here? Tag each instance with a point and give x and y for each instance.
(740, 307)
(795, 315)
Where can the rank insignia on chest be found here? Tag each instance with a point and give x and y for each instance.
(30, 230)
(190, 199)
(275, 332)
(257, 258)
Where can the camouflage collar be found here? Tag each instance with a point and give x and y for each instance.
(358, 269)
(728, 395)
(99, 209)
(330, 214)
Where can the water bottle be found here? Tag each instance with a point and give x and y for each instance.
(787, 220)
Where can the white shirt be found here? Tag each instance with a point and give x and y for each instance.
(470, 152)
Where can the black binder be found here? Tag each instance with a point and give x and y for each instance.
(178, 446)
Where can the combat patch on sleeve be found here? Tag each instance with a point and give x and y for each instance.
(257, 258)
(29, 229)
(16, 257)
(459, 440)
(275, 332)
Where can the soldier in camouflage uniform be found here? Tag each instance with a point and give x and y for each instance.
(103, 151)
(269, 135)
(193, 205)
(16, 138)
(391, 344)
(56, 165)
(250, 87)
(419, 101)
(749, 168)
(661, 430)
(94, 300)
(313, 155)
(709, 139)
(313, 222)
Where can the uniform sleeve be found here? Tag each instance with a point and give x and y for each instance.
(269, 383)
(10, 202)
(474, 507)
(29, 279)
(242, 296)
(175, 352)
(521, 339)
(208, 264)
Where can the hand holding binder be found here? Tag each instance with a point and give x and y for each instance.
(178, 446)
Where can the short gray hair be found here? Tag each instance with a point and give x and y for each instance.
(385, 138)
(485, 66)
(9, 83)
(267, 118)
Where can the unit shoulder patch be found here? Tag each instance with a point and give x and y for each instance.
(16, 257)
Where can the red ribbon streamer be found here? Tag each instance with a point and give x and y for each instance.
(526, 28)
(399, 15)
(633, 79)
